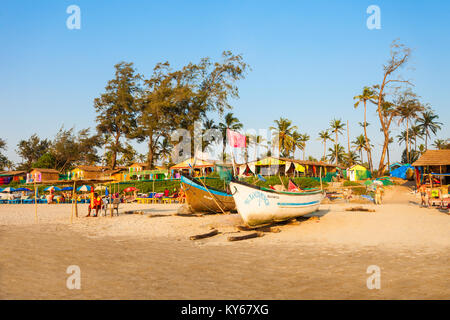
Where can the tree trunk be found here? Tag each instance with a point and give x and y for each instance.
(151, 153)
(336, 151)
(369, 153)
(324, 149)
(389, 161)
(407, 141)
(114, 152)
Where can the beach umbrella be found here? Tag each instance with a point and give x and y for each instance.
(84, 188)
(67, 189)
(106, 192)
(8, 189)
(52, 188)
(100, 188)
(130, 189)
(1, 189)
(23, 189)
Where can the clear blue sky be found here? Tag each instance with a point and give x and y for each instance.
(309, 58)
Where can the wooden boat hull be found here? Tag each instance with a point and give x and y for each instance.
(261, 207)
(201, 199)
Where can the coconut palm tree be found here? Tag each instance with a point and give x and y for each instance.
(296, 142)
(207, 144)
(283, 135)
(415, 132)
(370, 95)
(360, 145)
(337, 153)
(351, 158)
(232, 123)
(336, 126)
(408, 109)
(428, 124)
(403, 137)
(164, 149)
(324, 136)
(304, 138)
(439, 144)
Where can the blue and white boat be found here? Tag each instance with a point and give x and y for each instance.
(261, 206)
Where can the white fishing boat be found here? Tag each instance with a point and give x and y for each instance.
(261, 206)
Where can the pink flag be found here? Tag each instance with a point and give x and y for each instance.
(235, 139)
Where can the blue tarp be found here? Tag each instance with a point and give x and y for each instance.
(400, 172)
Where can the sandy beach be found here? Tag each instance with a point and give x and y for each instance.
(143, 256)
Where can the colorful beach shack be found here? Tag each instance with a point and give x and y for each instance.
(434, 162)
(42, 175)
(6, 177)
(198, 168)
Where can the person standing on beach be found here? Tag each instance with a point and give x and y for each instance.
(378, 195)
(423, 195)
(95, 204)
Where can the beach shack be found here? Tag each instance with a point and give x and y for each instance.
(434, 162)
(358, 172)
(6, 177)
(42, 175)
(137, 166)
(118, 175)
(88, 172)
(197, 169)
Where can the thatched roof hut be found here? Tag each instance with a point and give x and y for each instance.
(433, 158)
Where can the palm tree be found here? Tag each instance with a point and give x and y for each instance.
(427, 123)
(337, 153)
(304, 138)
(232, 123)
(164, 149)
(351, 158)
(439, 144)
(408, 110)
(208, 125)
(415, 132)
(283, 135)
(324, 136)
(336, 126)
(403, 137)
(368, 94)
(258, 140)
(360, 145)
(296, 142)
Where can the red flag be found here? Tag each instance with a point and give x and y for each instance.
(292, 187)
(235, 139)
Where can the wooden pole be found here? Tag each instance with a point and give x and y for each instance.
(35, 203)
(76, 200)
(320, 175)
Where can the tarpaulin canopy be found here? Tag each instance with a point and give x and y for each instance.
(269, 161)
(400, 172)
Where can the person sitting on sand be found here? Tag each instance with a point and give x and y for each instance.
(96, 203)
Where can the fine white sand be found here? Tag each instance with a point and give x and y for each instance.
(141, 256)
